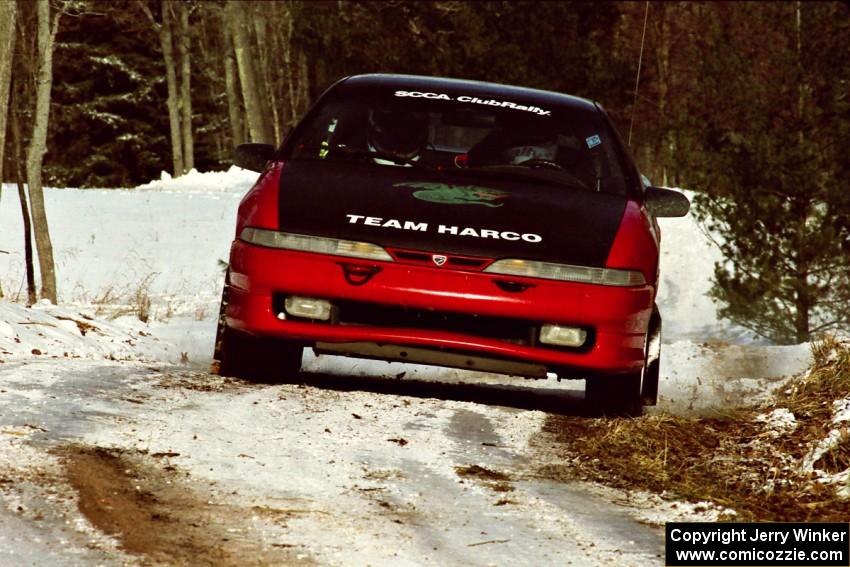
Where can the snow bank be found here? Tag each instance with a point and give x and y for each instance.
(46, 330)
(113, 246)
(234, 180)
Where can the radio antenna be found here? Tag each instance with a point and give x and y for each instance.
(637, 78)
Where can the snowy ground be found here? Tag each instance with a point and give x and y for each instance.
(362, 463)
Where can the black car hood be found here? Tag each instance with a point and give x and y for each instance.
(442, 212)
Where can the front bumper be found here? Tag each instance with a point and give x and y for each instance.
(617, 317)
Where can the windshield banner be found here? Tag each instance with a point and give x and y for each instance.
(475, 100)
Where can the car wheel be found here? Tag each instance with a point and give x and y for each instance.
(618, 395)
(259, 359)
(626, 394)
(215, 368)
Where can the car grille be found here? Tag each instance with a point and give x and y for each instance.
(518, 331)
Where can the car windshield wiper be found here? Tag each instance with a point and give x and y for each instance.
(355, 152)
(546, 175)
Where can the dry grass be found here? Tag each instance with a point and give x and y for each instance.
(828, 380)
(811, 400)
(731, 461)
(104, 302)
(836, 459)
(142, 298)
(113, 302)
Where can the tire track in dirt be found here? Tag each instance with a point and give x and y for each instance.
(152, 512)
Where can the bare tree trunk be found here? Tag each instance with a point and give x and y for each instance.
(165, 39)
(662, 33)
(234, 102)
(803, 296)
(8, 13)
(803, 299)
(295, 69)
(25, 212)
(38, 147)
(258, 123)
(185, 87)
(303, 90)
(320, 78)
(266, 69)
(289, 72)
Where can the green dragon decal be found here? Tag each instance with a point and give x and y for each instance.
(456, 194)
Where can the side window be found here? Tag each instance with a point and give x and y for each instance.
(591, 156)
(335, 124)
(314, 141)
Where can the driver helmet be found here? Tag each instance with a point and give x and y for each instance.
(398, 132)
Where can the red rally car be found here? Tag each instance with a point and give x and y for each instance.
(455, 223)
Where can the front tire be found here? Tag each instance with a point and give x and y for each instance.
(626, 394)
(259, 359)
(618, 395)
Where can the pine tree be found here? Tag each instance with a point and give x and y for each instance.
(773, 114)
(107, 127)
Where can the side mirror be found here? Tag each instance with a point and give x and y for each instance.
(253, 156)
(662, 202)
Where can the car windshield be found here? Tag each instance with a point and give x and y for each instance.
(465, 135)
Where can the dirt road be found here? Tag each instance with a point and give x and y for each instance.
(119, 463)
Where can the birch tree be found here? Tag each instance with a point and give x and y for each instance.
(47, 28)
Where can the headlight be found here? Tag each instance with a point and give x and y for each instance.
(567, 273)
(316, 244)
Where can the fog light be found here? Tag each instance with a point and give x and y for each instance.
(562, 336)
(308, 308)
